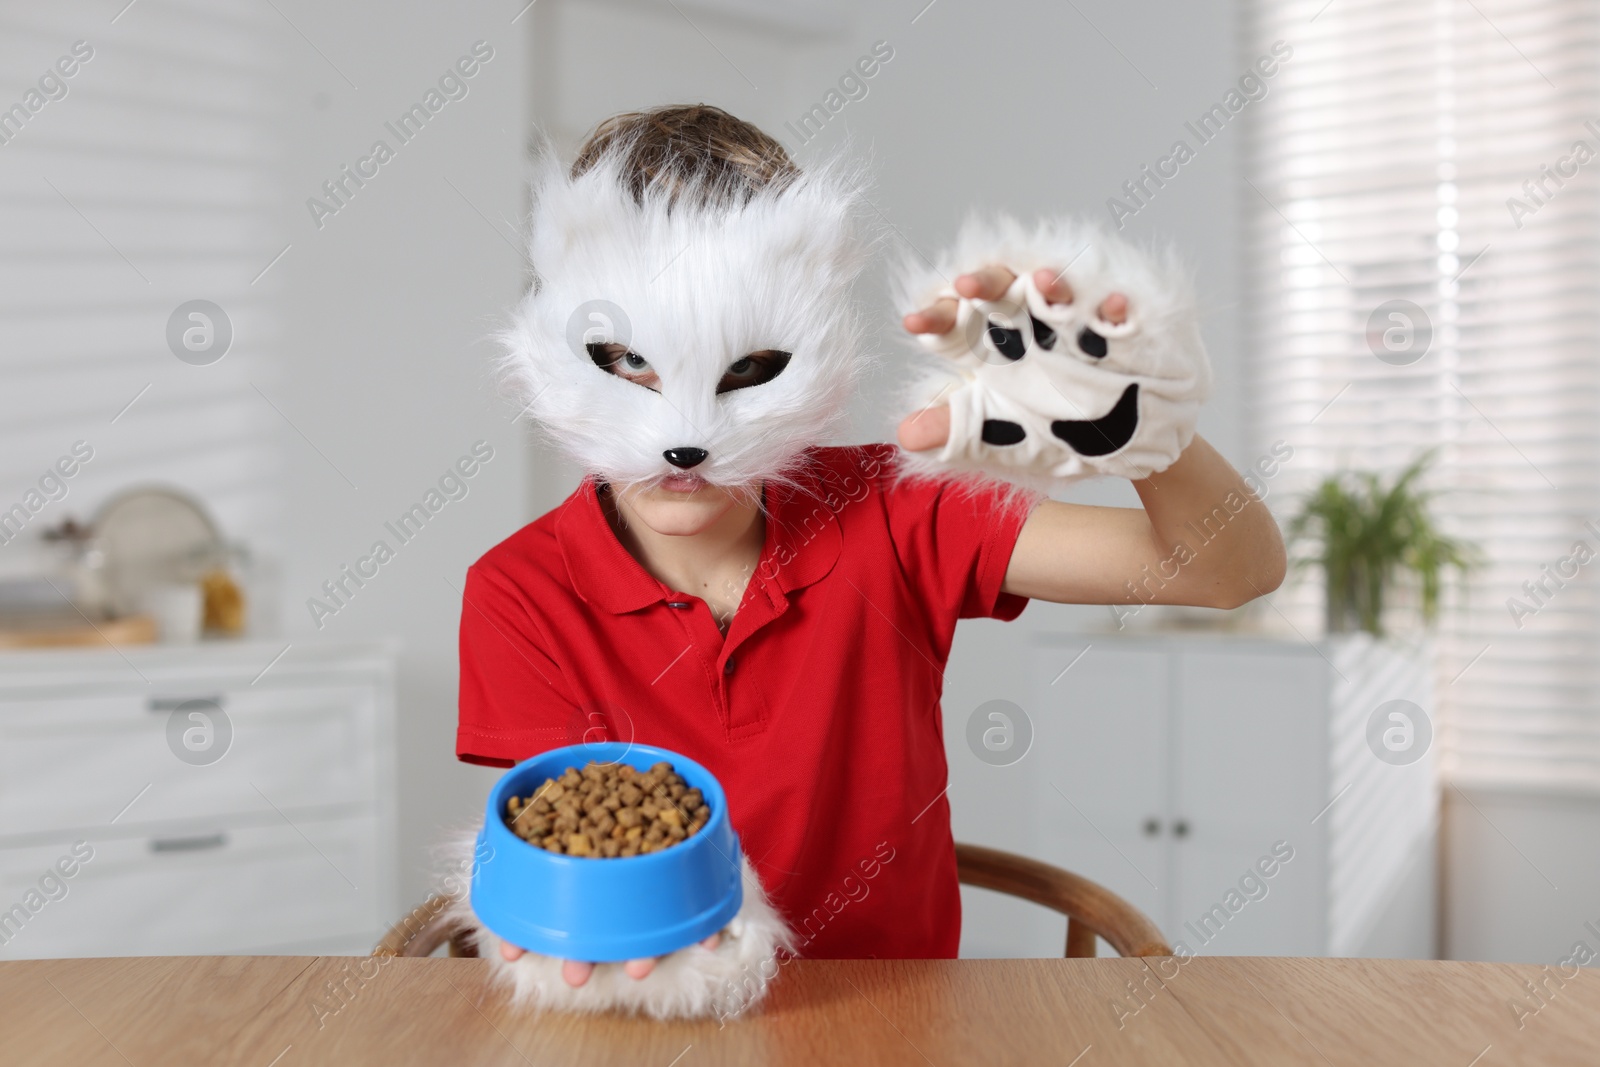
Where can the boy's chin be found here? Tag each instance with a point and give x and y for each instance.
(679, 513)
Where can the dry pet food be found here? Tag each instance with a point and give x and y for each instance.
(609, 810)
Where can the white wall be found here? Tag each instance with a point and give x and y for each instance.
(1521, 874)
(145, 184)
(384, 363)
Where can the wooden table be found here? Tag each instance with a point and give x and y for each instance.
(277, 1012)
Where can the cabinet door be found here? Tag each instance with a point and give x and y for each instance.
(77, 762)
(1249, 744)
(1099, 767)
(205, 889)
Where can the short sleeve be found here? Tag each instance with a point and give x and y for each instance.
(513, 700)
(955, 537)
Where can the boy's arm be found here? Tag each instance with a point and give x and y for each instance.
(1202, 539)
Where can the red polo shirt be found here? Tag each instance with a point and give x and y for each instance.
(818, 712)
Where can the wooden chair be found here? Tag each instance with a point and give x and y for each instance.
(423, 931)
(1091, 909)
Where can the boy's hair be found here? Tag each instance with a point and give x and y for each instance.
(689, 149)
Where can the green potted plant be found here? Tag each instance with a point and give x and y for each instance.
(1366, 534)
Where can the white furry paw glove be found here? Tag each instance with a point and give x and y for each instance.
(693, 982)
(1040, 393)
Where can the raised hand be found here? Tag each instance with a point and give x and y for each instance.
(1048, 373)
(931, 428)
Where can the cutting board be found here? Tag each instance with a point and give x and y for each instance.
(128, 630)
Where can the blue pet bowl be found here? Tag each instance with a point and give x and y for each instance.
(603, 910)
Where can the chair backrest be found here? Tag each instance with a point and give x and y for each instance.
(429, 925)
(1091, 909)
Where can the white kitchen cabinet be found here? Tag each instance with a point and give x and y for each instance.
(1175, 769)
(1115, 709)
(234, 801)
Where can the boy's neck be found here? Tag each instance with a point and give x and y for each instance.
(714, 564)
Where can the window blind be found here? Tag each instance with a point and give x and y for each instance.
(145, 178)
(1429, 152)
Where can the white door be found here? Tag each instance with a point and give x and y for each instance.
(1100, 769)
(1251, 777)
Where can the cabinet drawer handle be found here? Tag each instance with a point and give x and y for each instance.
(173, 703)
(1152, 827)
(199, 843)
(1180, 828)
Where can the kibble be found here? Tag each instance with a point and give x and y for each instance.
(608, 810)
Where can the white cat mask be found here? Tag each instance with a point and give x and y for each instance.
(692, 290)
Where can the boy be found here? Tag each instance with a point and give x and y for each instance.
(782, 612)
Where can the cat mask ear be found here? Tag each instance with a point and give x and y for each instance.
(690, 323)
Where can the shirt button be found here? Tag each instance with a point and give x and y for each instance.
(727, 668)
(677, 603)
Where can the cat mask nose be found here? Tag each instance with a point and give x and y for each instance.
(685, 458)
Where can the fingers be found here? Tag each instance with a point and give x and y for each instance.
(575, 973)
(991, 283)
(939, 318)
(985, 283)
(510, 952)
(925, 429)
(1114, 309)
(1054, 286)
(636, 969)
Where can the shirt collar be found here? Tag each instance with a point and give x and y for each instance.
(801, 546)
